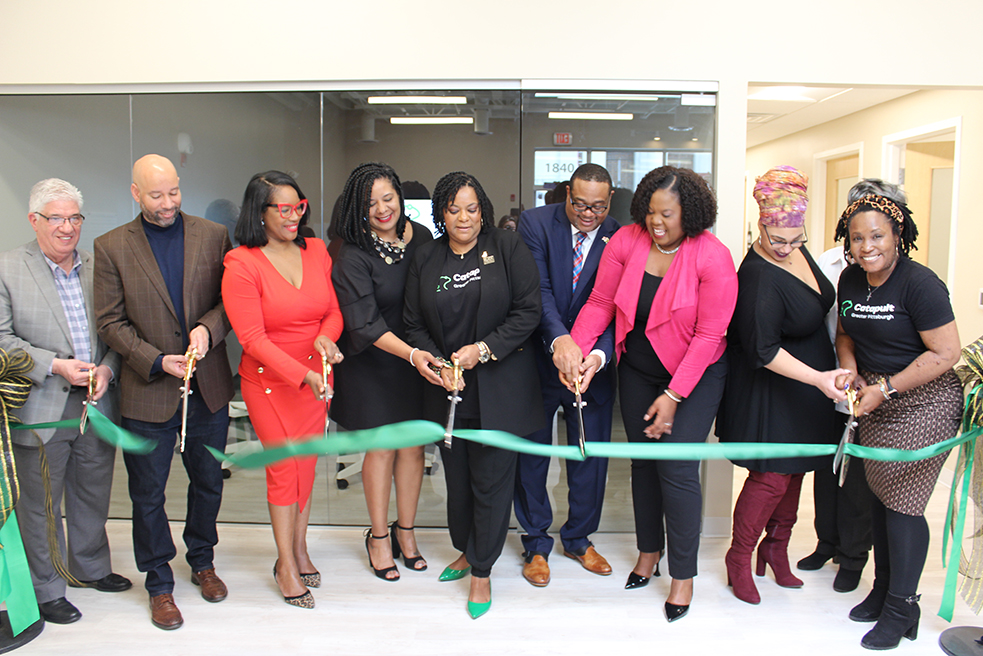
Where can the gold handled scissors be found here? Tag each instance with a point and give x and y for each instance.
(454, 397)
(84, 421)
(579, 403)
(192, 357)
(325, 372)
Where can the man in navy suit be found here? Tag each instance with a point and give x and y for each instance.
(567, 240)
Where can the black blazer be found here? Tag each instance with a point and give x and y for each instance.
(508, 313)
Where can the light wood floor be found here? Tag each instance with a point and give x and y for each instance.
(578, 613)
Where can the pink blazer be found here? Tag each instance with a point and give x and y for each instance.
(688, 320)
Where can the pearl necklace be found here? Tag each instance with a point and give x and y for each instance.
(665, 252)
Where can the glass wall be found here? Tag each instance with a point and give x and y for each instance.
(517, 143)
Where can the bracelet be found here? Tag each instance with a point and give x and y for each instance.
(411, 356)
(673, 396)
(484, 355)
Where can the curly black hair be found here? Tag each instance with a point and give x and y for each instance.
(352, 225)
(897, 214)
(249, 228)
(699, 205)
(445, 192)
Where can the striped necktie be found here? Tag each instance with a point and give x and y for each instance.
(578, 258)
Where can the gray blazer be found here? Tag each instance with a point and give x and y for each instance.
(32, 318)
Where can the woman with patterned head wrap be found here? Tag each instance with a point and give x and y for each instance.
(898, 336)
(780, 380)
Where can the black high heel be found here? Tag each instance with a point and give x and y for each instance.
(381, 573)
(409, 562)
(674, 612)
(636, 581)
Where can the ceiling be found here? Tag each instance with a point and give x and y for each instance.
(774, 111)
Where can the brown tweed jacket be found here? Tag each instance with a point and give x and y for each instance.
(136, 318)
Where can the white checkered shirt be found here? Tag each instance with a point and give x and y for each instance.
(69, 287)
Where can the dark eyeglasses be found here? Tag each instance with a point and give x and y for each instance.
(779, 243)
(598, 208)
(286, 209)
(58, 221)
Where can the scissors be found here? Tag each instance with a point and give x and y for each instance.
(325, 372)
(579, 403)
(841, 460)
(192, 357)
(454, 397)
(84, 421)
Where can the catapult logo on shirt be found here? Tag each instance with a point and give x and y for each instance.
(861, 311)
(459, 280)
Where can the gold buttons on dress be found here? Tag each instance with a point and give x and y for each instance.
(268, 390)
(260, 370)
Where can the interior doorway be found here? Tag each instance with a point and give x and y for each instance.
(841, 174)
(925, 162)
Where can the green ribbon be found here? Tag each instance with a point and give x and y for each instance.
(967, 459)
(16, 588)
(105, 429)
(415, 433)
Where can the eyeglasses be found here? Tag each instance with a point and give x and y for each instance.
(57, 221)
(598, 208)
(779, 243)
(286, 209)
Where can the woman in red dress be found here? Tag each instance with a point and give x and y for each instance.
(278, 296)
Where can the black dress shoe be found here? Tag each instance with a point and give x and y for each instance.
(59, 611)
(674, 612)
(109, 583)
(813, 561)
(846, 580)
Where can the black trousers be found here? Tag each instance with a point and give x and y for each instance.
(669, 488)
(480, 487)
(843, 518)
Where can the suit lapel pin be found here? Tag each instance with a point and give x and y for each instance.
(486, 258)
(605, 239)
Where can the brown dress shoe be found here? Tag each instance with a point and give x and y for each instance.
(164, 613)
(592, 561)
(537, 571)
(212, 588)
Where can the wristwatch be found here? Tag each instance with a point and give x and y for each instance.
(887, 389)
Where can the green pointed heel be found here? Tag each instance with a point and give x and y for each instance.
(453, 574)
(476, 610)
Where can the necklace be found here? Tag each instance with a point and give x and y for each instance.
(670, 252)
(391, 253)
(870, 291)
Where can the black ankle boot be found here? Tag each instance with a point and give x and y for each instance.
(899, 618)
(869, 609)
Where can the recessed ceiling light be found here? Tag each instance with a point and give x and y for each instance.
(431, 120)
(788, 94)
(592, 116)
(604, 96)
(417, 100)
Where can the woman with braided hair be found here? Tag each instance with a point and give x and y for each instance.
(897, 335)
(473, 297)
(376, 384)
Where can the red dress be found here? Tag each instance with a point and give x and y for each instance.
(277, 324)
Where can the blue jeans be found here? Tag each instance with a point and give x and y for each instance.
(153, 547)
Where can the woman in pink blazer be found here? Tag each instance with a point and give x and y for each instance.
(670, 287)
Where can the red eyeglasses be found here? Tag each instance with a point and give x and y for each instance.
(286, 209)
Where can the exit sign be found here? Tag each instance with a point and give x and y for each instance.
(563, 138)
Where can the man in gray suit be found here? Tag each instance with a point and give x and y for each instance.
(46, 309)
